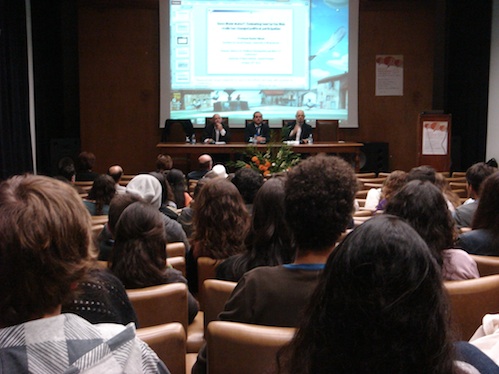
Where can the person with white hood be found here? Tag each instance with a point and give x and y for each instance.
(149, 188)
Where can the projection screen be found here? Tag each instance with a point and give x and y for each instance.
(235, 57)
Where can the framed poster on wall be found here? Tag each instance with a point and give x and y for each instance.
(434, 134)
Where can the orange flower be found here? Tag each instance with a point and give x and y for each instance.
(262, 167)
(247, 166)
(255, 160)
(266, 173)
(267, 164)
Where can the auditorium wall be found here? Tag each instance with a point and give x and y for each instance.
(118, 46)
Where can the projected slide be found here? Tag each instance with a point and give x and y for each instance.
(235, 57)
(249, 42)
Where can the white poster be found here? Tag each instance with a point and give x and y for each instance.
(389, 75)
(435, 137)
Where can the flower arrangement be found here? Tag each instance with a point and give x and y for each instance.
(273, 160)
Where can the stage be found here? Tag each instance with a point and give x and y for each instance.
(191, 152)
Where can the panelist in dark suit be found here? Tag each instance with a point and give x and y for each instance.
(257, 131)
(297, 130)
(216, 131)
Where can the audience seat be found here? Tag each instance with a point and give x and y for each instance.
(243, 348)
(215, 294)
(470, 300)
(175, 249)
(100, 220)
(167, 303)
(178, 263)
(84, 185)
(487, 265)
(366, 175)
(168, 341)
(161, 304)
(207, 268)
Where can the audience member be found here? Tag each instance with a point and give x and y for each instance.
(380, 307)
(423, 206)
(149, 189)
(139, 256)
(377, 198)
(319, 196)
(116, 172)
(205, 163)
(101, 298)
(298, 130)
(106, 236)
(216, 131)
(176, 179)
(221, 223)
(269, 241)
(84, 171)
(164, 163)
(257, 131)
(185, 217)
(100, 195)
(43, 228)
(448, 192)
(218, 171)
(66, 170)
(67, 173)
(168, 205)
(483, 239)
(475, 175)
(248, 182)
(427, 173)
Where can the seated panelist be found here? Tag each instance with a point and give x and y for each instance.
(257, 131)
(216, 131)
(298, 130)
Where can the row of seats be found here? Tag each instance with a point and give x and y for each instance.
(233, 347)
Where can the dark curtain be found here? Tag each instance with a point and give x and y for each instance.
(15, 147)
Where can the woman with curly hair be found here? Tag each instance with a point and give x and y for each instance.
(100, 195)
(380, 307)
(422, 205)
(269, 241)
(220, 223)
(319, 202)
(483, 239)
(139, 256)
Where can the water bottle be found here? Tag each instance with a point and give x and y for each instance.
(310, 139)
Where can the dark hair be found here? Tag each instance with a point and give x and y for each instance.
(422, 205)
(380, 307)
(139, 254)
(176, 179)
(487, 212)
(45, 246)
(320, 193)
(102, 191)
(269, 241)
(248, 182)
(422, 173)
(166, 190)
(117, 205)
(66, 168)
(164, 162)
(86, 161)
(220, 220)
(477, 173)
